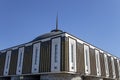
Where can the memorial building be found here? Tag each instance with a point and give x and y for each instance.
(58, 55)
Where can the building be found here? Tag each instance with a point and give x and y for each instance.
(58, 55)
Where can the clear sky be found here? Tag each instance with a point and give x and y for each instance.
(95, 21)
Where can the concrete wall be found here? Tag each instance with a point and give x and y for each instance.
(60, 77)
(54, 77)
(25, 78)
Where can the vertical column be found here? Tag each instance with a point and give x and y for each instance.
(20, 61)
(72, 55)
(113, 67)
(98, 67)
(106, 65)
(36, 58)
(56, 54)
(118, 62)
(7, 63)
(87, 59)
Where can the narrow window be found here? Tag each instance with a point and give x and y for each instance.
(86, 57)
(7, 62)
(36, 57)
(98, 62)
(72, 55)
(72, 50)
(20, 59)
(56, 52)
(36, 52)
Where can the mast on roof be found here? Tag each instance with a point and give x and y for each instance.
(56, 29)
(57, 22)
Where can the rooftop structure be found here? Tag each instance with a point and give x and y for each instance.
(58, 55)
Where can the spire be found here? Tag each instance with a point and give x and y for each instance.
(57, 22)
(56, 30)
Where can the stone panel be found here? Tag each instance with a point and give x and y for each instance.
(92, 78)
(60, 77)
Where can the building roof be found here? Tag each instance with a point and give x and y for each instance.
(46, 35)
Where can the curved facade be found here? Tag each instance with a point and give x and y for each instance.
(58, 56)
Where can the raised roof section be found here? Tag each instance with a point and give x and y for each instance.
(52, 33)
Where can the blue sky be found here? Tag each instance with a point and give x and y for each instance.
(95, 21)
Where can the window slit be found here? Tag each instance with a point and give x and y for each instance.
(86, 58)
(36, 52)
(72, 59)
(56, 53)
(7, 61)
(20, 59)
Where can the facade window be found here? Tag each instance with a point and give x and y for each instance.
(72, 55)
(36, 57)
(36, 52)
(56, 53)
(20, 59)
(86, 57)
(72, 52)
(98, 62)
(7, 62)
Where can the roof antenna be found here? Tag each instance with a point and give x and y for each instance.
(56, 30)
(57, 22)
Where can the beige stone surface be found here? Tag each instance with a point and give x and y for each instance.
(60, 77)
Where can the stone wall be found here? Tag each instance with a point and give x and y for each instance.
(25, 78)
(53, 77)
(60, 77)
(67, 77)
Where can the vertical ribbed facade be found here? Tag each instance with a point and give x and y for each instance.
(2, 62)
(80, 59)
(102, 61)
(59, 54)
(66, 54)
(62, 59)
(116, 68)
(93, 62)
(45, 57)
(27, 60)
(110, 67)
(13, 63)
